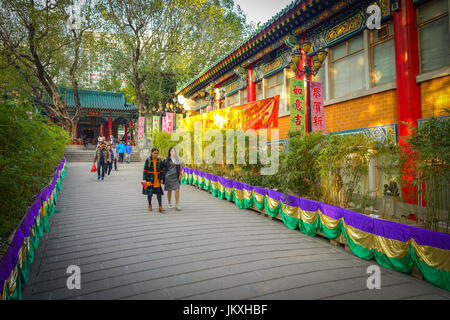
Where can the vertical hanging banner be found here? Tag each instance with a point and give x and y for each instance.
(178, 121)
(297, 101)
(149, 126)
(169, 122)
(155, 127)
(141, 127)
(317, 109)
(164, 123)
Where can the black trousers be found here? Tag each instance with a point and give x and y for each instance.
(115, 164)
(109, 168)
(158, 192)
(121, 157)
(103, 167)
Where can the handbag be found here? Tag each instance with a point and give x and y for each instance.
(94, 168)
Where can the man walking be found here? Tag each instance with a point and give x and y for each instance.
(128, 150)
(102, 157)
(115, 156)
(121, 151)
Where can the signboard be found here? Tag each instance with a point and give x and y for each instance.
(169, 122)
(141, 129)
(121, 130)
(317, 109)
(297, 101)
(149, 126)
(178, 121)
(155, 126)
(93, 113)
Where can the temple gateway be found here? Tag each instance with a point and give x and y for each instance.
(102, 113)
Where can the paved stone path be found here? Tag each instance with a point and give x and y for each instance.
(209, 250)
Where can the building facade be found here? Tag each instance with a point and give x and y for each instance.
(374, 80)
(102, 113)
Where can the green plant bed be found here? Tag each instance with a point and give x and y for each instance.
(30, 149)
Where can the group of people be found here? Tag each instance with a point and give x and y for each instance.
(109, 153)
(156, 173)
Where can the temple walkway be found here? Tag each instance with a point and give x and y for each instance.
(209, 250)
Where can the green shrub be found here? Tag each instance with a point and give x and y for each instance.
(161, 140)
(30, 149)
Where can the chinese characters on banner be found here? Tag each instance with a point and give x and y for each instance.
(298, 105)
(149, 127)
(178, 121)
(169, 122)
(163, 127)
(155, 124)
(317, 109)
(141, 127)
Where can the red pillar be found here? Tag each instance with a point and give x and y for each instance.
(408, 91)
(109, 127)
(251, 88)
(101, 129)
(126, 135)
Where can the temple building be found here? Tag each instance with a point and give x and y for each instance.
(374, 77)
(102, 113)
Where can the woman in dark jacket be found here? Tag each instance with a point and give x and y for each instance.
(153, 177)
(172, 175)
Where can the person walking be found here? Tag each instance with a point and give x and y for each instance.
(115, 155)
(153, 177)
(128, 151)
(101, 158)
(172, 175)
(110, 162)
(121, 151)
(101, 138)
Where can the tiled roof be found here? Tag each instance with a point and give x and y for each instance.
(92, 99)
(254, 41)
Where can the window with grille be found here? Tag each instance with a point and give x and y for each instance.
(347, 67)
(275, 84)
(382, 53)
(433, 25)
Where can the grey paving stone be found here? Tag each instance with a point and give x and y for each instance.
(209, 250)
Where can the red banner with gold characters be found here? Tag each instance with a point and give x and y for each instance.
(261, 114)
(317, 110)
(297, 101)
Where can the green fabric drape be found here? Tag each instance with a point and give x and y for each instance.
(36, 233)
(440, 278)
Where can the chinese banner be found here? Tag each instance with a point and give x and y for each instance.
(317, 110)
(155, 126)
(141, 129)
(163, 124)
(261, 114)
(298, 105)
(149, 126)
(169, 122)
(178, 121)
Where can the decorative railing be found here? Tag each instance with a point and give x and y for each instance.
(16, 262)
(393, 245)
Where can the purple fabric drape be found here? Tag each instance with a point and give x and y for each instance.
(387, 229)
(10, 258)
